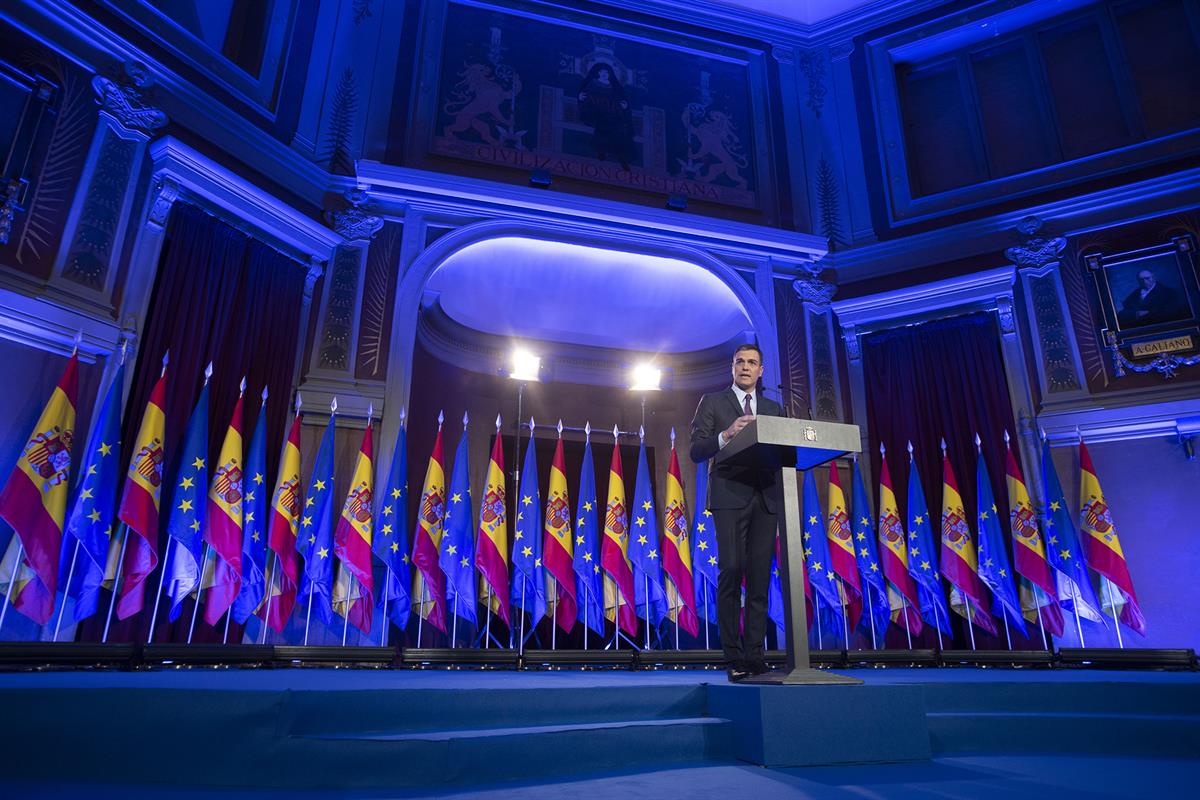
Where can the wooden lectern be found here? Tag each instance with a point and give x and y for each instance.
(791, 444)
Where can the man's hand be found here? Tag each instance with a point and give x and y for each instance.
(737, 426)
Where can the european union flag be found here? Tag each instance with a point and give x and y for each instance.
(391, 540)
(89, 526)
(254, 522)
(775, 605)
(816, 550)
(644, 552)
(866, 553)
(457, 557)
(922, 557)
(528, 589)
(1063, 548)
(994, 569)
(315, 540)
(704, 550)
(188, 509)
(589, 581)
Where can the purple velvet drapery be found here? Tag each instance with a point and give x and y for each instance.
(943, 378)
(219, 296)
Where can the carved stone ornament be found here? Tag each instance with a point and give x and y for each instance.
(1004, 309)
(124, 100)
(853, 347)
(814, 290)
(1036, 251)
(354, 224)
(8, 209)
(165, 193)
(315, 270)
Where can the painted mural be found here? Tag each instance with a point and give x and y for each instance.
(526, 93)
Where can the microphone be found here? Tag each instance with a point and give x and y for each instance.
(785, 396)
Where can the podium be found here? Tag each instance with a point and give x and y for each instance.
(788, 445)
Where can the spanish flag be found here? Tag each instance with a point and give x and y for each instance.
(352, 541)
(1039, 595)
(960, 563)
(491, 541)
(139, 502)
(558, 548)
(224, 531)
(429, 584)
(619, 596)
(34, 501)
(1104, 553)
(285, 517)
(677, 551)
(841, 549)
(893, 552)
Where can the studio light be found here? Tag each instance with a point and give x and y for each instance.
(646, 378)
(526, 366)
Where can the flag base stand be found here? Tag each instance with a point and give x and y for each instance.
(997, 658)
(447, 657)
(165, 655)
(324, 655)
(36, 655)
(1128, 658)
(580, 659)
(893, 658)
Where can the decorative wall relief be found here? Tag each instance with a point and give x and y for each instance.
(827, 197)
(92, 247)
(812, 65)
(793, 352)
(342, 116)
(379, 291)
(599, 104)
(815, 295)
(362, 10)
(338, 325)
(34, 210)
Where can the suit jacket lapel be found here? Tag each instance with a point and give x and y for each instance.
(732, 395)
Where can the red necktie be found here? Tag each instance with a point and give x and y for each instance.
(747, 408)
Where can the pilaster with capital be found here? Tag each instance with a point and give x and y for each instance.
(1038, 262)
(93, 238)
(824, 373)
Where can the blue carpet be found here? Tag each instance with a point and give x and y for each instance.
(394, 733)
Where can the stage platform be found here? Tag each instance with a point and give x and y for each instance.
(965, 732)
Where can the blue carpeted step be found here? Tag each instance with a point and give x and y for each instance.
(1042, 731)
(1146, 697)
(316, 712)
(433, 758)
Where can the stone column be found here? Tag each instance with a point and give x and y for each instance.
(825, 396)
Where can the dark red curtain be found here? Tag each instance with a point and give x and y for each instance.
(941, 379)
(223, 297)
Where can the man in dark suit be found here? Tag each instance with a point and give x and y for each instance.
(1150, 303)
(744, 501)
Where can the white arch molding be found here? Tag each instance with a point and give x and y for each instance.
(412, 284)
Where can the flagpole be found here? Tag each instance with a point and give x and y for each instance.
(970, 621)
(454, 624)
(11, 580)
(308, 614)
(1078, 627)
(346, 609)
(845, 614)
(225, 635)
(487, 627)
(874, 642)
(937, 624)
(521, 638)
(1037, 594)
(116, 582)
(817, 619)
(554, 610)
(420, 613)
(66, 590)
(271, 568)
(1007, 635)
(707, 646)
(162, 578)
(1112, 606)
(200, 590)
(907, 628)
(645, 576)
(387, 580)
(587, 604)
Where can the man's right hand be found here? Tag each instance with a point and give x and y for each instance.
(737, 426)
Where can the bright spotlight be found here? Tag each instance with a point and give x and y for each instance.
(646, 378)
(526, 366)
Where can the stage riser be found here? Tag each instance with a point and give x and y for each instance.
(794, 726)
(312, 713)
(1063, 697)
(1111, 734)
